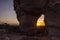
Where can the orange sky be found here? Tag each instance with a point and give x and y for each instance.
(9, 21)
(40, 21)
(12, 21)
(7, 13)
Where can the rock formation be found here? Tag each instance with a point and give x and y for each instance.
(28, 11)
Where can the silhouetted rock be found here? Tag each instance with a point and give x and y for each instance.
(28, 11)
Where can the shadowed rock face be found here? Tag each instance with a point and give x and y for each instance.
(29, 7)
(28, 11)
(52, 15)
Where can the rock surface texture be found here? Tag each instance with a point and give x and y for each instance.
(28, 11)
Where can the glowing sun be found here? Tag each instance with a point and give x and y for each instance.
(40, 23)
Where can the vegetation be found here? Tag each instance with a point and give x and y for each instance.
(9, 28)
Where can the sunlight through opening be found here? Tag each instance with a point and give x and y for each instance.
(40, 21)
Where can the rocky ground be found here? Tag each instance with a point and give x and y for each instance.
(17, 36)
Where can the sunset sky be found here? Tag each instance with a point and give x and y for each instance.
(7, 13)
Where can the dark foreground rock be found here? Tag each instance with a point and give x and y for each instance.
(17, 36)
(54, 34)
